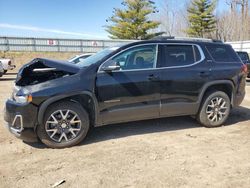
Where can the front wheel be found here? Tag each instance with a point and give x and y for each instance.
(65, 124)
(215, 109)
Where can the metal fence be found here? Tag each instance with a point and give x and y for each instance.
(76, 45)
(56, 45)
(241, 46)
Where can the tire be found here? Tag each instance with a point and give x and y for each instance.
(214, 110)
(5, 71)
(65, 124)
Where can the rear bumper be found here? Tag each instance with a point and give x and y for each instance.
(21, 120)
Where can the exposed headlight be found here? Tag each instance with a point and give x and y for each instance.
(22, 99)
(21, 95)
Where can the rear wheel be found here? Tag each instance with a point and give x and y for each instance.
(215, 109)
(65, 124)
(5, 71)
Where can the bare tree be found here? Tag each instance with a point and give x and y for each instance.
(173, 20)
(233, 24)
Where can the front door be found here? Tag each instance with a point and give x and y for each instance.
(133, 91)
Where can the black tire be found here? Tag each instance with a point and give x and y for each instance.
(5, 71)
(205, 112)
(64, 106)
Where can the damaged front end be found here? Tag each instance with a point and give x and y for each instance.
(42, 70)
(33, 86)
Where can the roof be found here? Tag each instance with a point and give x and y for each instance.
(176, 40)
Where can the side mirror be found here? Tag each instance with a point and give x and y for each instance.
(111, 66)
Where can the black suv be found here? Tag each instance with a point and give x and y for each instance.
(59, 102)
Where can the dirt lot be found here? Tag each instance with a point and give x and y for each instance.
(171, 152)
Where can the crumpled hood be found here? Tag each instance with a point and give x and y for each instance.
(41, 70)
(59, 65)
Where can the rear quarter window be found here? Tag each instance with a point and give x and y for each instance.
(222, 53)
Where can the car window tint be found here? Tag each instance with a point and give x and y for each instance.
(142, 57)
(243, 56)
(179, 55)
(222, 53)
(197, 54)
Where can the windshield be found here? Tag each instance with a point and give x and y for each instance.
(96, 57)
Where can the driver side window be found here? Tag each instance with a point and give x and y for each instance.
(142, 57)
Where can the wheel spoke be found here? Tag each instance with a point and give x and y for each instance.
(214, 117)
(219, 101)
(212, 104)
(55, 120)
(64, 116)
(220, 116)
(75, 129)
(63, 135)
(73, 121)
(223, 105)
(209, 111)
(72, 131)
(53, 134)
(51, 130)
(61, 113)
(210, 114)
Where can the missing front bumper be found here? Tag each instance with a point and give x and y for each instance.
(17, 125)
(16, 128)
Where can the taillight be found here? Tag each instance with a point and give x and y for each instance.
(9, 63)
(244, 68)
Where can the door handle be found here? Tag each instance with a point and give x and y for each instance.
(204, 74)
(153, 78)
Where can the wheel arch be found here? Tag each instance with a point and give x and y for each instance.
(226, 86)
(82, 98)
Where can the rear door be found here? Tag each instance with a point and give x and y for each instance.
(184, 71)
(133, 92)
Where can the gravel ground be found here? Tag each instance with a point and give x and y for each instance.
(170, 152)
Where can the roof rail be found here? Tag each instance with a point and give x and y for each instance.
(186, 38)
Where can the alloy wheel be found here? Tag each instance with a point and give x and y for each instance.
(63, 125)
(216, 109)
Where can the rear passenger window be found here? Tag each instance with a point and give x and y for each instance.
(179, 55)
(222, 53)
